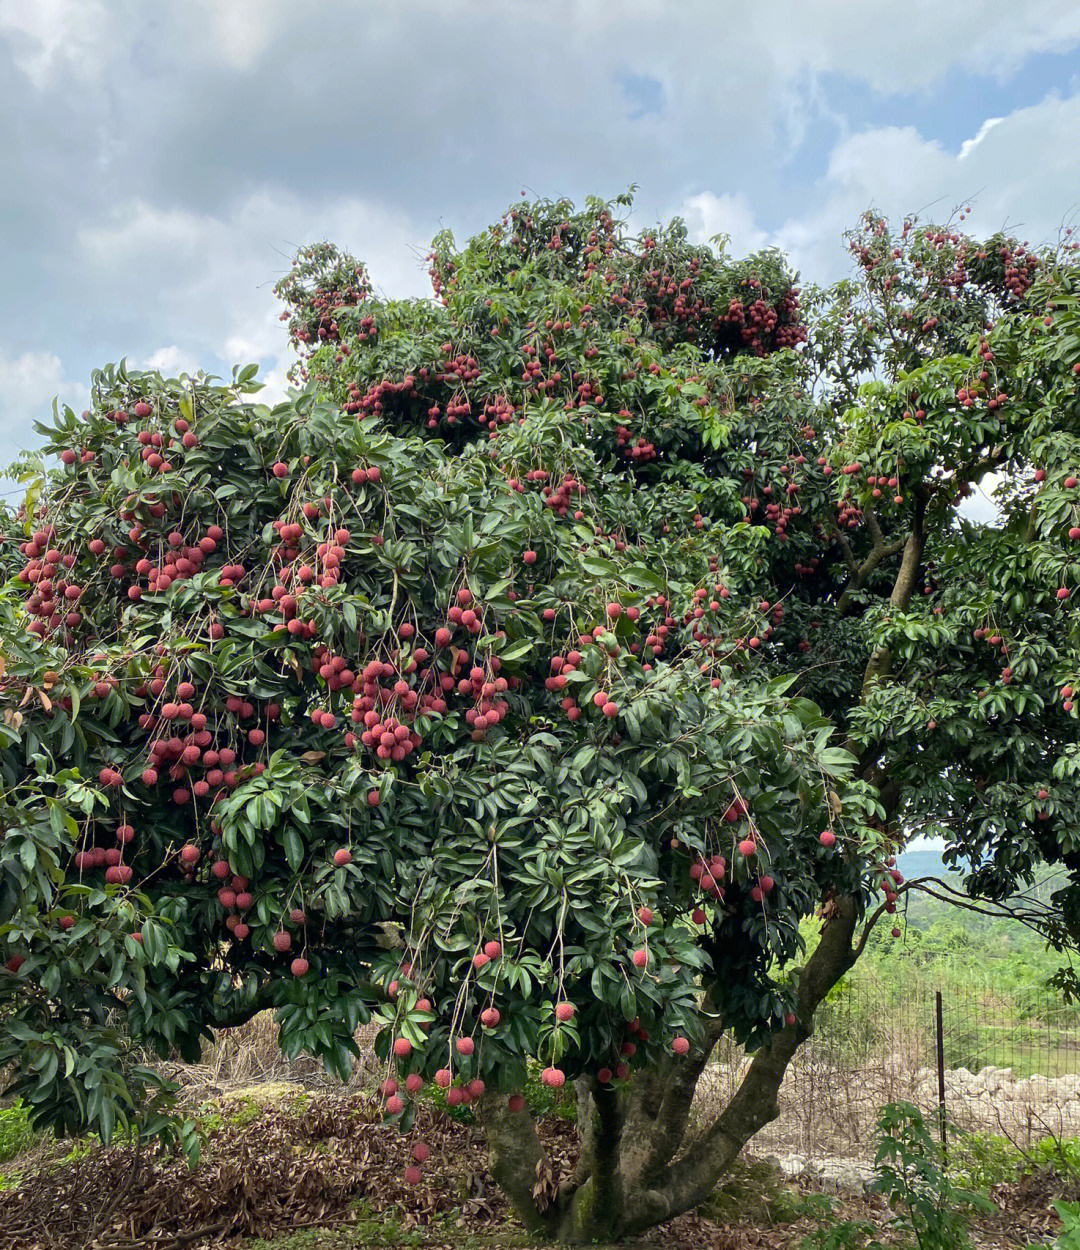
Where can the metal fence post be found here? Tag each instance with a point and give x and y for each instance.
(941, 1075)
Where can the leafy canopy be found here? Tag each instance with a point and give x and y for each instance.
(529, 674)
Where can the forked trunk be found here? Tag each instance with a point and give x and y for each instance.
(639, 1164)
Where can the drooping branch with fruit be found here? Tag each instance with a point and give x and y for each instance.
(527, 678)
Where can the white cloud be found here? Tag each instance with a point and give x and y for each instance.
(53, 38)
(969, 145)
(238, 33)
(28, 383)
(169, 158)
(980, 505)
(1020, 172)
(707, 215)
(169, 360)
(205, 279)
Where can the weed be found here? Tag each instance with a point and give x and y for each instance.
(16, 1135)
(1060, 1153)
(754, 1193)
(847, 1235)
(249, 1112)
(371, 1228)
(912, 1175)
(980, 1160)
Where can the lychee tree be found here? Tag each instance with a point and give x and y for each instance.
(525, 679)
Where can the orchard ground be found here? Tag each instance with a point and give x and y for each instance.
(289, 1168)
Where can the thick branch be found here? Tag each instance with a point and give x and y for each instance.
(519, 1163)
(586, 1127)
(845, 547)
(597, 1205)
(692, 1178)
(872, 525)
(881, 660)
(861, 572)
(678, 1078)
(263, 1001)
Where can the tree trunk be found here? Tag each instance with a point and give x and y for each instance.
(638, 1165)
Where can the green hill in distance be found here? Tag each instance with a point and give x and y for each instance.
(939, 930)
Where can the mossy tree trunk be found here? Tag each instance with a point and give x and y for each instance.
(641, 1161)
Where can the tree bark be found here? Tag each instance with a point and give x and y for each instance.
(636, 1168)
(708, 1156)
(520, 1164)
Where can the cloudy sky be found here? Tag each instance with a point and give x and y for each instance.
(160, 163)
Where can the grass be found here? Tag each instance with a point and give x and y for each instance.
(16, 1135)
(385, 1228)
(756, 1193)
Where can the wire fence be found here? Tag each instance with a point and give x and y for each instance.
(1011, 1066)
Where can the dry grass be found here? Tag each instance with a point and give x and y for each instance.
(829, 1108)
(249, 1055)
